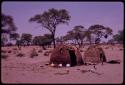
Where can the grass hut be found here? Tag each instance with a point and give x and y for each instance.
(94, 54)
(66, 54)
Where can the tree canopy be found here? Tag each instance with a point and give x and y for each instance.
(100, 31)
(8, 25)
(119, 36)
(26, 38)
(51, 19)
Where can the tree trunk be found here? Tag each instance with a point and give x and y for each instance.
(54, 43)
(78, 43)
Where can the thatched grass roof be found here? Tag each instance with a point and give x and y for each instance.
(60, 55)
(94, 54)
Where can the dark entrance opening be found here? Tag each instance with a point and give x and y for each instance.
(102, 57)
(72, 58)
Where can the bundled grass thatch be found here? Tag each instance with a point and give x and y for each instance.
(94, 54)
(66, 54)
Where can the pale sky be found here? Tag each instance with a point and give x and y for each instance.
(108, 14)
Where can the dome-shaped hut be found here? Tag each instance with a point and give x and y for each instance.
(66, 54)
(94, 54)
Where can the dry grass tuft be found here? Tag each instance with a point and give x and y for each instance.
(14, 48)
(33, 53)
(40, 51)
(3, 51)
(4, 56)
(20, 55)
(46, 53)
(9, 51)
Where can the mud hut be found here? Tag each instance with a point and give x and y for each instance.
(94, 54)
(66, 54)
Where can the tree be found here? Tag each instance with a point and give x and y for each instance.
(51, 19)
(42, 40)
(8, 26)
(26, 38)
(48, 39)
(19, 43)
(111, 41)
(77, 35)
(100, 31)
(38, 40)
(60, 39)
(14, 36)
(4, 39)
(88, 36)
(118, 37)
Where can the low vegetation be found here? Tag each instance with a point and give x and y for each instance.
(3, 51)
(4, 56)
(14, 48)
(46, 53)
(20, 55)
(33, 53)
(9, 51)
(40, 51)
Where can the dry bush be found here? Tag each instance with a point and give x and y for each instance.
(3, 51)
(46, 53)
(14, 48)
(40, 51)
(9, 51)
(20, 55)
(33, 53)
(106, 47)
(4, 56)
(50, 51)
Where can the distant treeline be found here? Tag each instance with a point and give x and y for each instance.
(50, 20)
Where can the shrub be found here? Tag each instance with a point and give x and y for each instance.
(14, 48)
(3, 51)
(9, 44)
(9, 51)
(33, 53)
(40, 51)
(46, 53)
(4, 56)
(106, 47)
(20, 55)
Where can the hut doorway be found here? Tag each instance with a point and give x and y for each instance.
(72, 58)
(102, 57)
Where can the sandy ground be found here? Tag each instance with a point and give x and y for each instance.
(33, 70)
